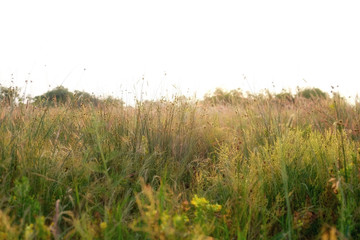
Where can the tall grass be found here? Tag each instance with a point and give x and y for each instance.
(263, 168)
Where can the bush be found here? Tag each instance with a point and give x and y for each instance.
(220, 96)
(311, 93)
(285, 96)
(59, 95)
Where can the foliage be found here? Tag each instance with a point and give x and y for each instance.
(25, 206)
(159, 220)
(62, 96)
(80, 98)
(220, 96)
(285, 96)
(59, 95)
(311, 93)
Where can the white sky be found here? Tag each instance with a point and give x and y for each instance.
(200, 45)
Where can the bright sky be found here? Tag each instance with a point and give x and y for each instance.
(200, 45)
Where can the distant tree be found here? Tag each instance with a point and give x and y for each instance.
(112, 101)
(285, 96)
(81, 97)
(220, 96)
(311, 93)
(59, 95)
(9, 95)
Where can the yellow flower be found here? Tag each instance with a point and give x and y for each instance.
(103, 225)
(29, 230)
(196, 201)
(216, 207)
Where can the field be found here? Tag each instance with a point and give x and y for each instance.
(264, 166)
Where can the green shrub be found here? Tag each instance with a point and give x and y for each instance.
(312, 93)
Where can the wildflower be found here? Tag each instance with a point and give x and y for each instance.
(198, 202)
(29, 230)
(103, 225)
(185, 206)
(180, 220)
(215, 207)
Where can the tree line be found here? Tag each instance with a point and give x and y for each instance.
(61, 95)
(57, 96)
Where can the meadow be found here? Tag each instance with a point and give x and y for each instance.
(260, 166)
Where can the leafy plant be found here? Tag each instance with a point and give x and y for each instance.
(24, 204)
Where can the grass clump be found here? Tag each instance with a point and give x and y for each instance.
(229, 167)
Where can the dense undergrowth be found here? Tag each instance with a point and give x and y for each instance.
(265, 167)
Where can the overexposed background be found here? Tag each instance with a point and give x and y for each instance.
(107, 47)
